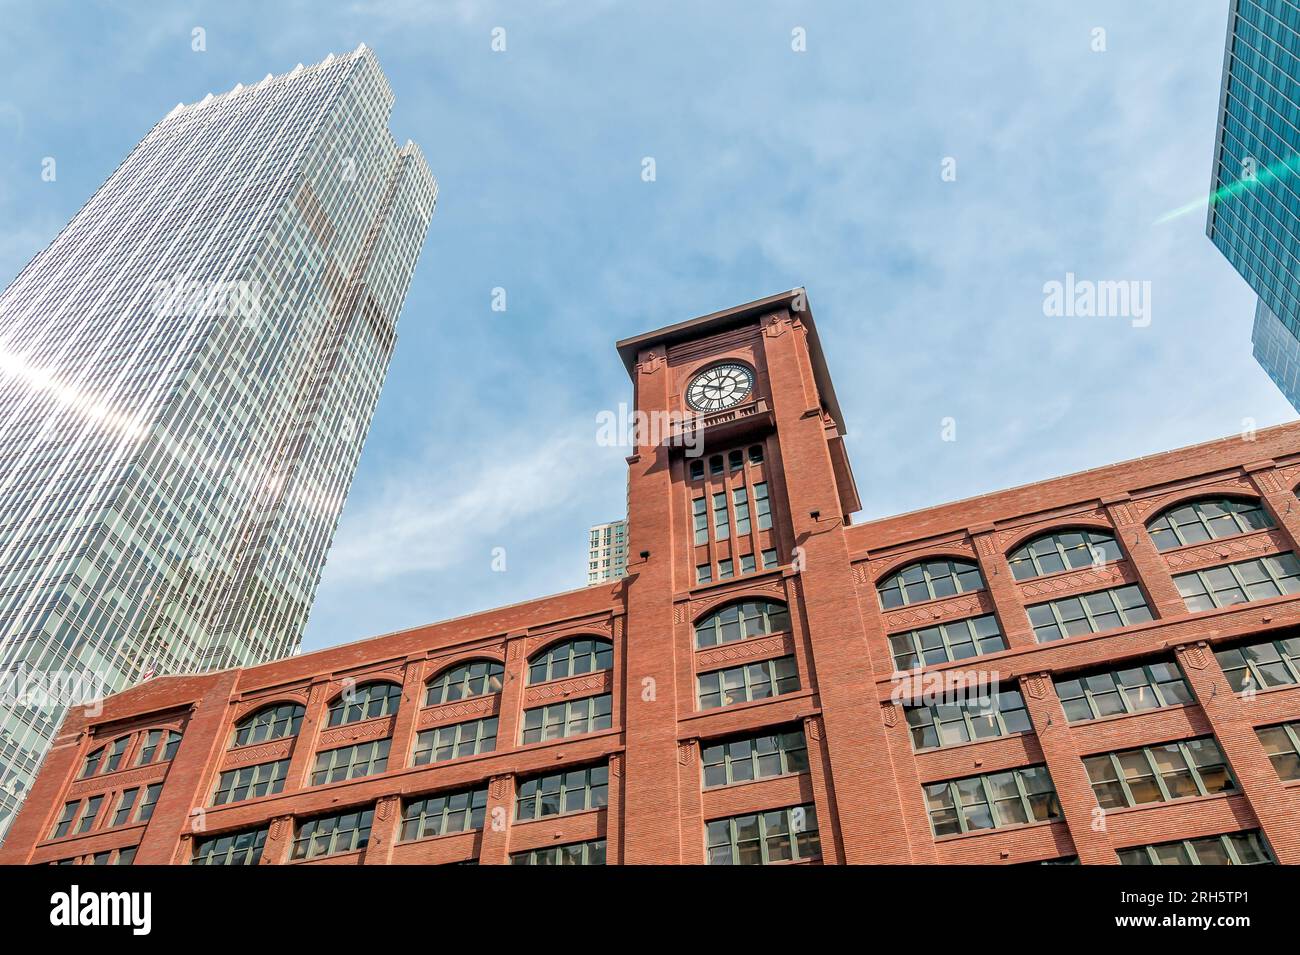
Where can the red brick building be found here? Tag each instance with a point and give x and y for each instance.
(753, 690)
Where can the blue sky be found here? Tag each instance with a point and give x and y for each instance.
(774, 169)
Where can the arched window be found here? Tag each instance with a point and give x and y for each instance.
(91, 763)
(928, 580)
(366, 701)
(571, 658)
(1208, 519)
(159, 746)
(465, 680)
(740, 621)
(1063, 550)
(270, 722)
(106, 759)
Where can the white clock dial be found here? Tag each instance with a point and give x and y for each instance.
(720, 387)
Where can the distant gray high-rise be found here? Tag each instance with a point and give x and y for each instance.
(187, 375)
(607, 552)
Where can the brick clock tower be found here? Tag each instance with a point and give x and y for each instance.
(746, 495)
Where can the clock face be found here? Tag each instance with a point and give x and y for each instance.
(722, 386)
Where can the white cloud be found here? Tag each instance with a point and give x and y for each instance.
(443, 510)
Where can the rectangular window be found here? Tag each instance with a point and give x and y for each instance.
(351, 762)
(575, 853)
(762, 506)
(1236, 848)
(769, 558)
(721, 528)
(700, 520)
(443, 814)
(64, 822)
(330, 835)
(725, 571)
(740, 501)
(740, 759)
(151, 794)
(747, 565)
(90, 765)
(1134, 777)
(1131, 690)
(573, 790)
(89, 814)
(946, 642)
(234, 848)
(452, 742)
(1259, 666)
(703, 574)
(125, 803)
(764, 838)
(115, 754)
(1241, 582)
(1088, 613)
(149, 749)
(1282, 743)
(992, 801)
(251, 782)
(572, 718)
(753, 681)
(949, 724)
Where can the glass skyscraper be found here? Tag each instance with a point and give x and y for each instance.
(187, 374)
(1254, 216)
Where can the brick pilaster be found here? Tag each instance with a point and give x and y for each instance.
(512, 690)
(279, 840)
(495, 848)
(408, 715)
(920, 835)
(614, 821)
(304, 747)
(385, 826)
(1065, 763)
(1002, 588)
(1229, 716)
(690, 783)
(1146, 561)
